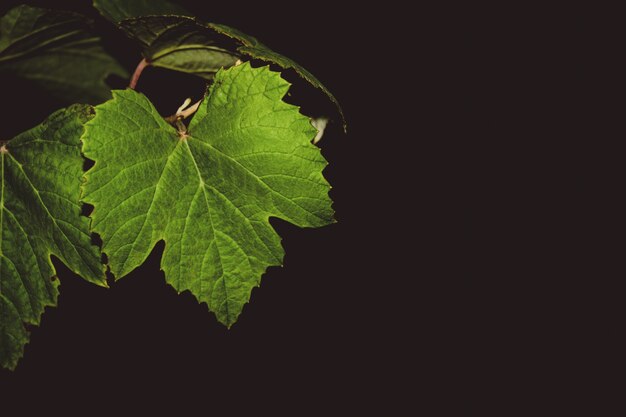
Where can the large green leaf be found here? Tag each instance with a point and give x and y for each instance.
(118, 10)
(40, 216)
(58, 51)
(208, 193)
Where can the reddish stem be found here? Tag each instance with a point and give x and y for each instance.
(140, 67)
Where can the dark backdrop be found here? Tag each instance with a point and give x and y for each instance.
(469, 272)
(352, 323)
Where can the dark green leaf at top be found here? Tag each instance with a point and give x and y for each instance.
(188, 45)
(57, 50)
(182, 44)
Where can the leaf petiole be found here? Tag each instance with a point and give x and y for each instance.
(140, 67)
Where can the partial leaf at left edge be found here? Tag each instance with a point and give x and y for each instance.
(58, 51)
(40, 216)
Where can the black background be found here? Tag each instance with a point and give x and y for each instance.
(473, 269)
(329, 333)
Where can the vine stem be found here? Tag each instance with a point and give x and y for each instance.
(140, 67)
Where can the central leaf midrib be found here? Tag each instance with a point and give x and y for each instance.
(217, 246)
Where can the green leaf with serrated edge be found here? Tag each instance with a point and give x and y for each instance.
(118, 10)
(185, 44)
(208, 194)
(40, 216)
(58, 51)
(251, 47)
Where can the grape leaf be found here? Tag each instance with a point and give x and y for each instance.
(209, 192)
(118, 10)
(40, 216)
(58, 51)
